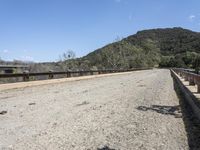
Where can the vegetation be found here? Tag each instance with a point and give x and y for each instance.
(174, 47)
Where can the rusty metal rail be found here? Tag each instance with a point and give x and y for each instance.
(192, 78)
(51, 74)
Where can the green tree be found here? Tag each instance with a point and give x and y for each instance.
(196, 63)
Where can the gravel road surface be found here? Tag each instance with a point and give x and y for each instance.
(129, 111)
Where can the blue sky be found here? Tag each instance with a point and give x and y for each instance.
(41, 30)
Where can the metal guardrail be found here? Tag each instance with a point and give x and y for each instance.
(51, 74)
(192, 78)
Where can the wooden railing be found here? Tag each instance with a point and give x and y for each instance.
(51, 74)
(192, 78)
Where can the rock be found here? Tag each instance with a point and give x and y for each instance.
(32, 103)
(3, 112)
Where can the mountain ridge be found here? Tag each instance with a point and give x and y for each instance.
(168, 43)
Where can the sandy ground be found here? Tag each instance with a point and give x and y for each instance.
(137, 110)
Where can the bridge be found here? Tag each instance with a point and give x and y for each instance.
(132, 109)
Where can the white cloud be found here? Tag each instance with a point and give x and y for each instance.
(27, 58)
(192, 17)
(5, 51)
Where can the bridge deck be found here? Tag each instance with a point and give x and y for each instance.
(138, 110)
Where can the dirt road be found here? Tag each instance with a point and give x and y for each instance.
(130, 111)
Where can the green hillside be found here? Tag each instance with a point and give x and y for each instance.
(175, 47)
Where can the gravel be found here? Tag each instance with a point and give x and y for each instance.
(138, 110)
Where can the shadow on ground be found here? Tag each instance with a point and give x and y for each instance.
(165, 110)
(105, 148)
(192, 124)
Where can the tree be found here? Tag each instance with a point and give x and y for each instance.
(165, 61)
(189, 58)
(196, 63)
(68, 55)
(118, 39)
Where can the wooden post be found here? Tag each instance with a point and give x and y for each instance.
(197, 82)
(186, 77)
(81, 73)
(68, 74)
(198, 88)
(181, 75)
(191, 80)
(26, 75)
(91, 73)
(50, 74)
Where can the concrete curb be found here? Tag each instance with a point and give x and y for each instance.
(187, 94)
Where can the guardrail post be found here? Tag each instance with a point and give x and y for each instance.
(191, 81)
(81, 73)
(68, 74)
(181, 75)
(50, 74)
(91, 73)
(198, 88)
(26, 76)
(186, 77)
(197, 82)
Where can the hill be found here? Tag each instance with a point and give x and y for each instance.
(171, 47)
